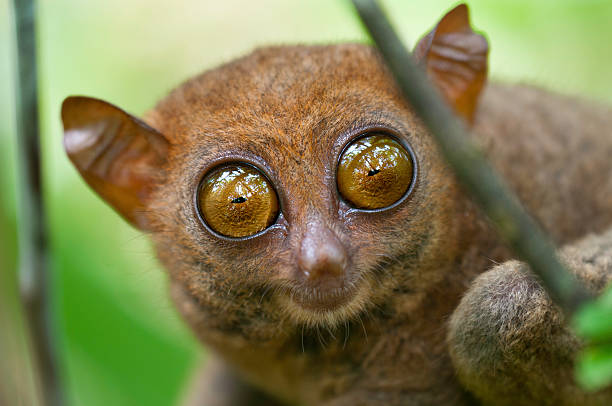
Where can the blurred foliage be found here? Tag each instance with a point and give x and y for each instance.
(594, 323)
(120, 341)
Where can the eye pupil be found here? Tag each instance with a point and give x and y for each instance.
(373, 172)
(239, 200)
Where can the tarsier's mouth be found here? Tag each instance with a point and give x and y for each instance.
(319, 306)
(323, 300)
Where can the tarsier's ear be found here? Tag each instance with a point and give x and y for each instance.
(118, 155)
(455, 58)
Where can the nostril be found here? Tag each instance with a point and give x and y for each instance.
(322, 256)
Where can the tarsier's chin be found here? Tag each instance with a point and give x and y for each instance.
(286, 186)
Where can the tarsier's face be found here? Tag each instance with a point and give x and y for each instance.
(287, 188)
(296, 191)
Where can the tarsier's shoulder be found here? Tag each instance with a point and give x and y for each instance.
(554, 150)
(521, 120)
(528, 101)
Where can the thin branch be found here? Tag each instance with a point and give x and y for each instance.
(513, 223)
(33, 272)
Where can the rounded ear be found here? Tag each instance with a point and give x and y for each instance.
(118, 155)
(455, 58)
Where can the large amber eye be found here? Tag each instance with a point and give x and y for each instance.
(237, 200)
(374, 172)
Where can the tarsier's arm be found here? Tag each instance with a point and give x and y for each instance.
(509, 342)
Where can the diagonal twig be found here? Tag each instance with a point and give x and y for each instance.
(513, 223)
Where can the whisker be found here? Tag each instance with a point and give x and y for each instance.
(320, 337)
(264, 293)
(365, 333)
(347, 331)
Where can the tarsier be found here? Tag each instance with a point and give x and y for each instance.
(318, 244)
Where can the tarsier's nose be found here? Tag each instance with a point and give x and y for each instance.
(322, 258)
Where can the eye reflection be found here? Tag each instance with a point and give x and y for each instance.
(374, 172)
(237, 201)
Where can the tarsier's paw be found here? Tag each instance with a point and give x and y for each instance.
(509, 342)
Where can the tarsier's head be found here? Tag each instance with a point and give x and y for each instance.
(293, 186)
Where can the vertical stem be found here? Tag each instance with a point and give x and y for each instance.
(33, 272)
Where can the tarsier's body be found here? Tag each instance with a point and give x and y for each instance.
(380, 335)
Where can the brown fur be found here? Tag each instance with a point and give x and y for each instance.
(290, 110)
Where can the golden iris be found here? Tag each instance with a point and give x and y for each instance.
(237, 200)
(374, 172)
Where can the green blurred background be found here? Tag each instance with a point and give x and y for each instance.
(120, 341)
